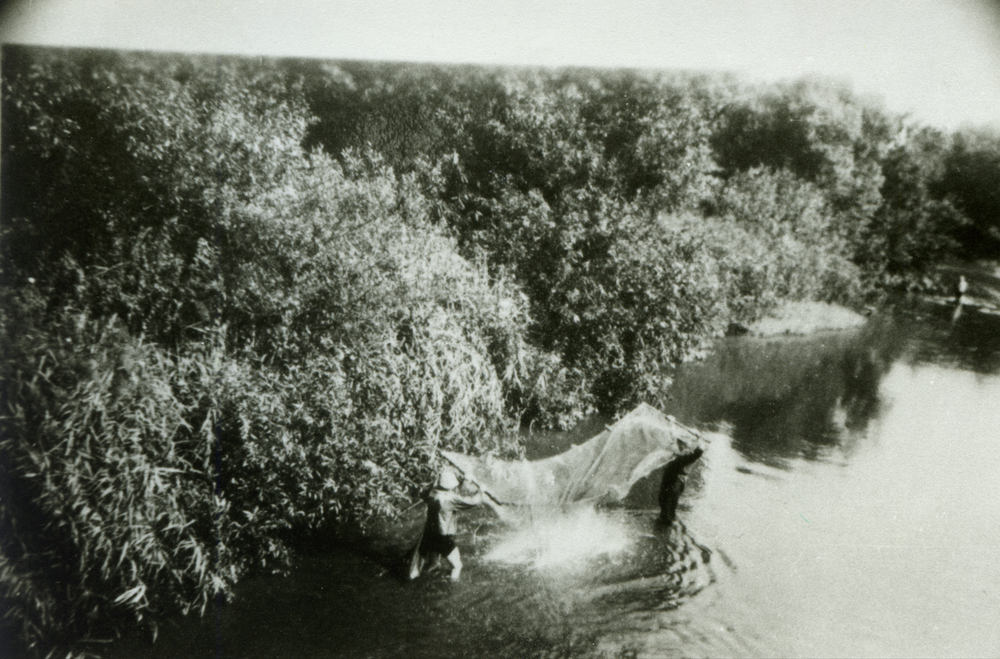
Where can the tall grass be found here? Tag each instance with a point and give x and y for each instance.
(109, 511)
(141, 478)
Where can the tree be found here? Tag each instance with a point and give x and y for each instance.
(914, 228)
(971, 172)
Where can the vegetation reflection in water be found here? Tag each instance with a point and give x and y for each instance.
(874, 539)
(790, 397)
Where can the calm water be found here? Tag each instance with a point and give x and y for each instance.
(847, 506)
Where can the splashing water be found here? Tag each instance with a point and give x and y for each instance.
(551, 538)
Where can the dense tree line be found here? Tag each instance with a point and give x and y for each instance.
(244, 300)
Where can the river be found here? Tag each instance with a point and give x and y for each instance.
(847, 506)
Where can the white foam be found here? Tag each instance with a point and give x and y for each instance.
(552, 539)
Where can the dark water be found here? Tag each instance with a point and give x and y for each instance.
(847, 506)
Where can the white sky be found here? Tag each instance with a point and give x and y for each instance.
(939, 59)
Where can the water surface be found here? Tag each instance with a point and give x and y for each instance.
(846, 506)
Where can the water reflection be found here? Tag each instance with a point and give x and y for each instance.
(889, 554)
(791, 397)
(971, 343)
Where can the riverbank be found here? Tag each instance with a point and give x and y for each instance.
(799, 318)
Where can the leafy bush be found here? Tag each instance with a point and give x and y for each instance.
(127, 169)
(393, 347)
(783, 241)
(239, 343)
(627, 299)
(215, 339)
(559, 199)
(755, 270)
(971, 168)
(108, 509)
(914, 227)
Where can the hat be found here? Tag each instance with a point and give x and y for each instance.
(447, 480)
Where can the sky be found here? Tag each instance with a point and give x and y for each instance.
(938, 60)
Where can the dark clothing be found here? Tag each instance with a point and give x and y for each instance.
(437, 544)
(438, 537)
(672, 486)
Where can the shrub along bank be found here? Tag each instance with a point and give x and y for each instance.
(213, 340)
(244, 300)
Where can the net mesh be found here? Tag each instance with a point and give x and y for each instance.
(601, 470)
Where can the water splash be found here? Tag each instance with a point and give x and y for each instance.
(554, 539)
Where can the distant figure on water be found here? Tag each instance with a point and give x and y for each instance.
(437, 540)
(960, 298)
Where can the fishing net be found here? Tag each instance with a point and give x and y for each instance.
(601, 470)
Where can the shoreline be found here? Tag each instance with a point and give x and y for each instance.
(802, 318)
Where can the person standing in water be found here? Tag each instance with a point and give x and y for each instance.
(960, 298)
(437, 540)
(672, 487)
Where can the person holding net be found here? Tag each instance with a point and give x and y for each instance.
(437, 540)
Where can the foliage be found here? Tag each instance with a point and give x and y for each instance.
(390, 346)
(914, 228)
(820, 132)
(780, 240)
(127, 169)
(624, 299)
(557, 189)
(244, 300)
(109, 510)
(299, 340)
(969, 181)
